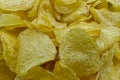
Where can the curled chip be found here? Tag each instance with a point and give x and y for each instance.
(35, 48)
(79, 52)
(64, 72)
(16, 5)
(11, 21)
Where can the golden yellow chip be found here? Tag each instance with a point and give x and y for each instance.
(93, 29)
(35, 48)
(11, 21)
(79, 52)
(64, 72)
(16, 5)
(47, 16)
(79, 13)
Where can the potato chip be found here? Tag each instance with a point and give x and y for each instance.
(38, 73)
(16, 5)
(66, 6)
(79, 52)
(35, 48)
(106, 17)
(5, 73)
(77, 14)
(108, 36)
(11, 21)
(107, 70)
(46, 18)
(93, 29)
(64, 72)
(9, 49)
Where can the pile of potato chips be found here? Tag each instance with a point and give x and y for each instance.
(59, 39)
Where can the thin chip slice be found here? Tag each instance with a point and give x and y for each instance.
(64, 72)
(38, 73)
(16, 5)
(35, 48)
(79, 52)
(9, 49)
(5, 73)
(10, 20)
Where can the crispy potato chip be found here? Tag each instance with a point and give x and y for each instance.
(79, 52)
(77, 14)
(46, 17)
(5, 73)
(64, 72)
(108, 36)
(38, 73)
(11, 21)
(66, 6)
(16, 5)
(35, 48)
(93, 29)
(106, 17)
(107, 70)
(9, 49)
